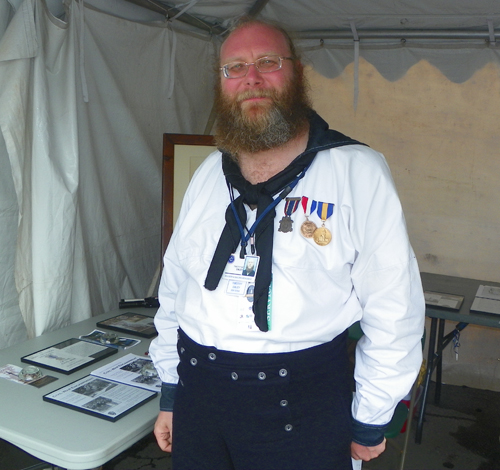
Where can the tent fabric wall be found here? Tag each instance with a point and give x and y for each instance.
(6, 14)
(121, 129)
(46, 265)
(458, 61)
(86, 175)
(12, 328)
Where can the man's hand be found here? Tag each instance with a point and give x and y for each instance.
(163, 430)
(359, 452)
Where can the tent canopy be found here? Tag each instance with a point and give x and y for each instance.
(323, 18)
(457, 36)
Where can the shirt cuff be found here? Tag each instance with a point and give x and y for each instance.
(368, 435)
(167, 396)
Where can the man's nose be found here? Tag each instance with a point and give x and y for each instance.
(253, 75)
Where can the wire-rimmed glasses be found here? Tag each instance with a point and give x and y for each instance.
(266, 64)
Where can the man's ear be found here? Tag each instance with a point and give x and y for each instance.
(299, 68)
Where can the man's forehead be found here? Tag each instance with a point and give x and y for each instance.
(257, 38)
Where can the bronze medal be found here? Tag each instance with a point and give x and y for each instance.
(307, 228)
(286, 224)
(322, 236)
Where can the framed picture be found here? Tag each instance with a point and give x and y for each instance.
(69, 356)
(442, 300)
(132, 323)
(100, 397)
(182, 154)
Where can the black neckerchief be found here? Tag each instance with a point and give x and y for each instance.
(262, 195)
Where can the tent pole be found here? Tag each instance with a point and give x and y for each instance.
(397, 34)
(257, 7)
(170, 12)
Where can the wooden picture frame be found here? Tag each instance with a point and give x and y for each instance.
(174, 144)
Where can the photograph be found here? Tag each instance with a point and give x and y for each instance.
(250, 266)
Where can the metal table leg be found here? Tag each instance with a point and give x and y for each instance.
(430, 367)
(439, 361)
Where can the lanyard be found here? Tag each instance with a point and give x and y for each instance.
(272, 205)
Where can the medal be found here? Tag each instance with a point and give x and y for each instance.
(307, 228)
(286, 223)
(322, 236)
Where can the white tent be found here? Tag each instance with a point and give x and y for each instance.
(88, 87)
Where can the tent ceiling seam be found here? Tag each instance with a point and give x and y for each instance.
(217, 29)
(170, 12)
(191, 4)
(399, 34)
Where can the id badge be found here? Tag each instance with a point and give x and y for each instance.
(246, 317)
(241, 269)
(240, 274)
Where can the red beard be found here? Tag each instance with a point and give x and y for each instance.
(253, 126)
(254, 111)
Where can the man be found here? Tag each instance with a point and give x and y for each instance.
(267, 386)
(249, 268)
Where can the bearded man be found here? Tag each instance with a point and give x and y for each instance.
(261, 381)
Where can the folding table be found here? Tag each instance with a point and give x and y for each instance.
(58, 435)
(437, 339)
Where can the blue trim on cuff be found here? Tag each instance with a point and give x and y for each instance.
(368, 435)
(167, 396)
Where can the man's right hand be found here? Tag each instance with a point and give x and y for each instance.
(163, 430)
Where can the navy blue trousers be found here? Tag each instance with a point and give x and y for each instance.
(286, 411)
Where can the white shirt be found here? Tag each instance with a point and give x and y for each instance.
(367, 272)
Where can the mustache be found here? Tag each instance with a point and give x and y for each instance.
(245, 95)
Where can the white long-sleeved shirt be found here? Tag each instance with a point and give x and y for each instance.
(367, 272)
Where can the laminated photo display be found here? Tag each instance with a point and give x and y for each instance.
(99, 397)
(69, 356)
(131, 323)
(487, 300)
(131, 369)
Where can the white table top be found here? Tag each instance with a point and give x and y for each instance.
(58, 435)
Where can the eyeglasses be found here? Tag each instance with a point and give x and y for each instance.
(269, 63)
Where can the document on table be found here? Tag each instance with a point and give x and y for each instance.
(109, 339)
(131, 369)
(487, 300)
(99, 397)
(69, 356)
(441, 300)
(11, 372)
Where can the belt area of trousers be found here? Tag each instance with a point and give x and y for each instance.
(260, 367)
